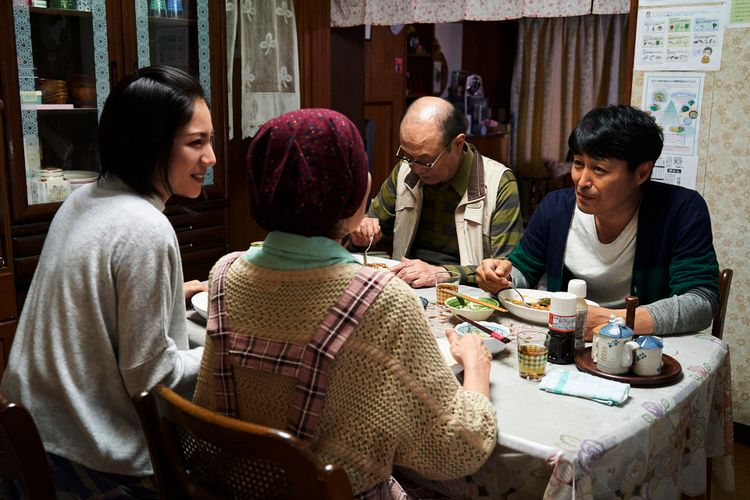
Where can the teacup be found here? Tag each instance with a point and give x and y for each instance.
(647, 359)
(612, 349)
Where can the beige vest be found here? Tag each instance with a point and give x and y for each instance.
(473, 215)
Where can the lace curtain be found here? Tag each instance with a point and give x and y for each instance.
(387, 12)
(268, 57)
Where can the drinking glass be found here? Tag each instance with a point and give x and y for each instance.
(445, 280)
(532, 354)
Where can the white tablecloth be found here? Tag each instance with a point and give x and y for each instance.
(553, 446)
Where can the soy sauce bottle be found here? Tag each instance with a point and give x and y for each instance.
(562, 328)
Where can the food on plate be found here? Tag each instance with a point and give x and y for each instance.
(542, 304)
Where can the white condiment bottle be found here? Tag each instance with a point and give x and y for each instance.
(578, 288)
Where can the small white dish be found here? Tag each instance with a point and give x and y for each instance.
(200, 303)
(492, 344)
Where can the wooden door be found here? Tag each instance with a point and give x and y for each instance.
(385, 86)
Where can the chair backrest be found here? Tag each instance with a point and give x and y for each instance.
(725, 285)
(22, 455)
(197, 453)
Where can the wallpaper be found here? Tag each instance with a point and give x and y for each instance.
(724, 154)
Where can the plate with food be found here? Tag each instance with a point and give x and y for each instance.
(539, 301)
(377, 262)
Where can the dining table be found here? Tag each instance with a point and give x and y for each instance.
(657, 444)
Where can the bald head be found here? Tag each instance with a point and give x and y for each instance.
(432, 129)
(434, 119)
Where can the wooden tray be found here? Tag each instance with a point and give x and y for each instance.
(670, 372)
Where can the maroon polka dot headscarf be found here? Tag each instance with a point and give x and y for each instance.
(307, 170)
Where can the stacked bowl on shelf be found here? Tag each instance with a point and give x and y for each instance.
(53, 91)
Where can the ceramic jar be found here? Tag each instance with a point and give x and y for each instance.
(612, 349)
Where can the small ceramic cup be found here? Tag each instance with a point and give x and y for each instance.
(647, 355)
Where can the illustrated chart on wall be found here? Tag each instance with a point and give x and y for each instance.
(675, 101)
(684, 37)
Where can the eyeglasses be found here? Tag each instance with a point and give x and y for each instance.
(411, 161)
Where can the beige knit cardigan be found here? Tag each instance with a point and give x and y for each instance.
(391, 400)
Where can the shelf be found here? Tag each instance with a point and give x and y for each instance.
(59, 12)
(55, 108)
(172, 21)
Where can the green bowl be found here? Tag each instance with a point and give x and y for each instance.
(471, 310)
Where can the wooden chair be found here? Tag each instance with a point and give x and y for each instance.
(725, 285)
(197, 453)
(22, 455)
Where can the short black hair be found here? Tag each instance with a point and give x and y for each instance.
(139, 122)
(618, 133)
(453, 123)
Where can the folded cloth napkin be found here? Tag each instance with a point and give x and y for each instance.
(586, 386)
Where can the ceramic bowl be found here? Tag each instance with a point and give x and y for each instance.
(492, 344)
(471, 310)
(200, 303)
(537, 316)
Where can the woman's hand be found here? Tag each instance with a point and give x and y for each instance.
(469, 350)
(192, 287)
(493, 275)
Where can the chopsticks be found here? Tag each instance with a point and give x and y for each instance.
(490, 331)
(472, 299)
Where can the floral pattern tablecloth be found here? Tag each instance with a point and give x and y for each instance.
(653, 446)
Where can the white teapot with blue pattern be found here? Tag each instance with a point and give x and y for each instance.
(612, 348)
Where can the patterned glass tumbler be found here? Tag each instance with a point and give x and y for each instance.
(532, 354)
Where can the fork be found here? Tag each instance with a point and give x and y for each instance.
(519, 293)
(364, 255)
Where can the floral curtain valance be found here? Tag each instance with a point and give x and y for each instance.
(387, 12)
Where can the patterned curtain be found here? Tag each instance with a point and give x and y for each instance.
(269, 59)
(387, 12)
(564, 67)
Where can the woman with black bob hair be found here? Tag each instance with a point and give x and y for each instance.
(105, 315)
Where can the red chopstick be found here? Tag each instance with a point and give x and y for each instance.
(490, 331)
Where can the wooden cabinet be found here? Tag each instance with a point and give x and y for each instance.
(69, 59)
(426, 67)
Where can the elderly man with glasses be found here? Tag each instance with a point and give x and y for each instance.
(446, 206)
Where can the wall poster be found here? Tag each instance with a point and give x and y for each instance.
(686, 37)
(675, 101)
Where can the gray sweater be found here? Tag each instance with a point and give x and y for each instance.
(104, 319)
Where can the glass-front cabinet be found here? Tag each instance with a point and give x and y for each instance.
(58, 61)
(68, 54)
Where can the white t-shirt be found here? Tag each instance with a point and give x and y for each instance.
(606, 268)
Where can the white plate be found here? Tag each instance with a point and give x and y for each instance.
(376, 260)
(80, 175)
(537, 316)
(200, 303)
(492, 344)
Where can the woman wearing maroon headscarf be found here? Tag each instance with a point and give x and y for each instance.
(302, 337)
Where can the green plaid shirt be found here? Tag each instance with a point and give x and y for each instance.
(436, 241)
